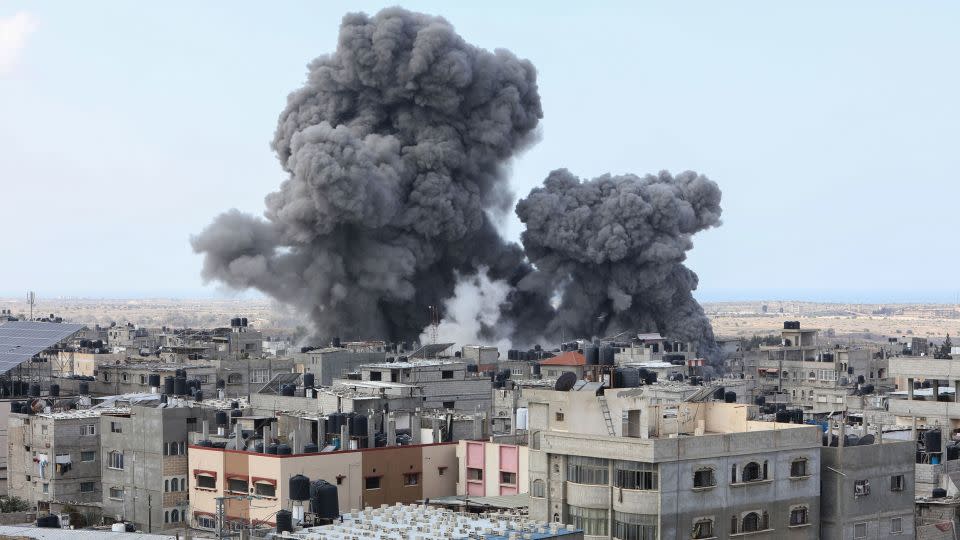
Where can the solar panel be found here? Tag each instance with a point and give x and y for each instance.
(21, 340)
(430, 351)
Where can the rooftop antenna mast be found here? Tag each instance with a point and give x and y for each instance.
(434, 324)
(32, 301)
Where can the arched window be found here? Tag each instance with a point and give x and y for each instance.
(166, 485)
(166, 517)
(702, 528)
(798, 515)
(174, 485)
(812, 375)
(175, 516)
(535, 440)
(752, 472)
(538, 489)
(234, 378)
(751, 522)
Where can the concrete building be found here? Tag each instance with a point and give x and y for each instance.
(437, 524)
(445, 384)
(367, 477)
(492, 469)
(145, 468)
(617, 466)
(480, 355)
(131, 376)
(335, 362)
(867, 491)
(55, 457)
(570, 361)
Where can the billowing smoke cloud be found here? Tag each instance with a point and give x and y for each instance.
(613, 249)
(396, 151)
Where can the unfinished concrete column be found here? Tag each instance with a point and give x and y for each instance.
(436, 430)
(321, 433)
(956, 391)
(267, 435)
(477, 426)
(206, 430)
(391, 430)
(935, 387)
(415, 427)
(371, 431)
(345, 437)
(910, 388)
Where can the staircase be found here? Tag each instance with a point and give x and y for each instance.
(606, 415)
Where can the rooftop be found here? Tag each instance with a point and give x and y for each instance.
(398, 522)
(569, 358)
(411, 364)
(29, 531)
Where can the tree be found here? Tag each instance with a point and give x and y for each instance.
(945, 349)
(13, 504)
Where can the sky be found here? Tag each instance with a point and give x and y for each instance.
(831, 129)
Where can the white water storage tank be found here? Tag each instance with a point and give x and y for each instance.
(118, 527)
(522, 417)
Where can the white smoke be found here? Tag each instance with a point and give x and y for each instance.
(473, 313)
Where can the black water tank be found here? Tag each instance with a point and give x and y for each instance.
(310, 448)
(299, 488)
(284, 450)
(234, 404)
(221, 384)
(34, 390)
(324, 502)
(168, 385)
(222, 418)
(163, 398)
(309, 380)
(334, 423)
(606, 355)
(287, 390)
(180, 386)
(939, 493)
(512, 354)
(198, 396)
(284, 521)
(953, 452)
(272, 448)
(760, 400)
(718, 393)
(592, 355)
(153, 380)
(867, 389)
(729, 397)
(236, 413)
(783, 417)
(535, 370)
(931, 440)
(358, 426)
(54, 390)
(180, 373)
(336, 342)
(15, 407)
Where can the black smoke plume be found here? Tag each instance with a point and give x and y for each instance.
(396, 151)
(613, 248)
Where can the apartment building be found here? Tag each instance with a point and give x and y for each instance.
(618, 466)
(365, 477)
(54, 457)
(490, 469)
(332, 363)
(446, 384)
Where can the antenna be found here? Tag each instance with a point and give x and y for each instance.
(32, 301)
(434, 324)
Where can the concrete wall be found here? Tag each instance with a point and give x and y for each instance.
(334, 364)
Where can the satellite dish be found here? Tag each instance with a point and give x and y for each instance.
(566, 381)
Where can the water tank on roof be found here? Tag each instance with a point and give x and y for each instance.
(324, 502)
(15, 407)
(236, 413)
(287, 390)
(34, 390)
(358, 425)
(334, 423)
(153, 380)
(939, 493)
(180, 386)
(222, 418)
(931, 441)
(718, 393)
(234, 404)
(163, 398)
(309, 380)
(272, 448)
(606, 355)
(168, 386)
(760, 400)
(284, 521)
(299, 488)
(336, 342)
(310, 448)
(592, 355)
(221, 384)
(284, 450)
(729, 397)
(54, 390)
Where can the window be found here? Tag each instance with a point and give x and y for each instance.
(449, 405)
(440, 471)
(143, 379)
(174, 516)
(861, 488)
(88, 455)
(798, 516)
(587, 470)
(260, 376)
(237, 485)
(411, 479)
(116, 460)
(174, 485)
(703, 478)
(635, 475)
(116, 494)
(376, 376)
(86, 487)
(124, 376)
(166, 485)
(702, 528)
(752, 472)
(860, 530)
(46, 488)
(204, 379)
(166, 517)
(896, 525)
(538, 488)
(751, 522)
(206, 481)
(265, 489)
(116, 427)
(592, 521)
(535, 440)
(628, 526)
(897, 482)
(234, 378)
(446, 374)
(508, 477)
(206, 522)
(191, 421)
(798, 468)
(474, 474)
(88, 429)
(371, 482)
(558, 416)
